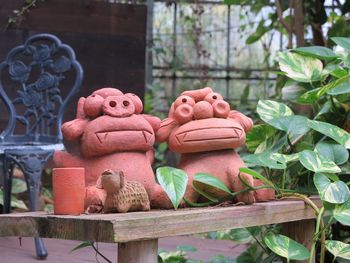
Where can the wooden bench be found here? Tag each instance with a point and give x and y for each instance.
(137, 233)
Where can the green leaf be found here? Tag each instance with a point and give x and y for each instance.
(338, 249)
(332, 84)
(256, 175)
(293, 125)
(317, 52)
(334, 193)
(325, 108)
(344, 42)
(269, 110)
(286, 247)
(232, 2)
(340, 89)
(174, 182)
(186, 248)
(339, 135)
(310, 97)
(210, 180)
(340, 212)
(218, 259)
(18, 186)
(300, 68)
(314, 162)
(257, 135)
(333, 151)
(335, 70)
(251, 255)
(259, 32)
(82, 245)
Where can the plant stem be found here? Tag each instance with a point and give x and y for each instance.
(334, 259)
(301, 197)
(319, 213)
(100, 254)
(251, 189)
(314, 240)
(283, 178)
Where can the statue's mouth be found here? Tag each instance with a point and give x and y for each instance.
(209, 134)
(123, 135)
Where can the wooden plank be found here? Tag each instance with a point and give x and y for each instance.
(151, 225)
(138, 251)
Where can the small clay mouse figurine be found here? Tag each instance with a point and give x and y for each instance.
(123, 195)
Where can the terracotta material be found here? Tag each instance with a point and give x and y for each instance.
(123, 195)
(113, 134)
(205, 131)
(68, 190)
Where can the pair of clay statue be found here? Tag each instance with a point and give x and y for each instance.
(114, 134)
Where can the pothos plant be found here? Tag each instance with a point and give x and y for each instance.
(298, 154)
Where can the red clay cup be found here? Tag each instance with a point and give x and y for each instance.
(68, 190)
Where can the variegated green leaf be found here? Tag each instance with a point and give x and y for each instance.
(285, 157)
(16, 203)
(269, 110)
(332, 192)
(333, 151)
(257, 135)
(293, 125)
(300, 68)
(292, 90)
(340, 212)
(339, 135)
(314, 162)
(286, 247)
(174, 182)
(18, 186)
(338, 249)
(264, 159)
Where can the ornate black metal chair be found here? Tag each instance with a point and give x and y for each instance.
(37, 81)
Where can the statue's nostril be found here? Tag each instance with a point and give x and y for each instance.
(126, 103)
(112, 103)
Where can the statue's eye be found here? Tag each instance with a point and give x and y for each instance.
(183, 99)
(212, 97)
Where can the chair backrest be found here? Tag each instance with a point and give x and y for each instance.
(37, 82)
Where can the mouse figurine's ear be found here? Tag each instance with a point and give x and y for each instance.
(246, 122)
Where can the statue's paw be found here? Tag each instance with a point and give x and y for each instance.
(247, 198)
(264, 194)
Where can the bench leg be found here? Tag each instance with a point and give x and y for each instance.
(301, 231)
(138, 252)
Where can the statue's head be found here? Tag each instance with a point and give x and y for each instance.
(201, 120)
(110, 121)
